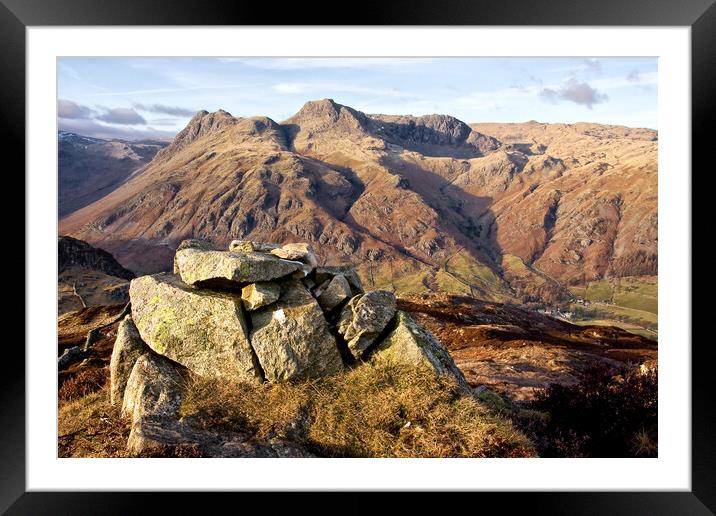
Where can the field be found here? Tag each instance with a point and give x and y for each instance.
(631, 303)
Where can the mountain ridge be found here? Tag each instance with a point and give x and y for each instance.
(419, 202)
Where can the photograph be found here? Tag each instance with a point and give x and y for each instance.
(357, 257)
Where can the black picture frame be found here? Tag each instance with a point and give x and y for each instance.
(17, 15)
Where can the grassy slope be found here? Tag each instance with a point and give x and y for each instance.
(632, 300)
(375, 410)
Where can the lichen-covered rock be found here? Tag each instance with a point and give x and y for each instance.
(337, 291)
(249, 246)
(326, 274)
(192, 243)
(153, 396)
(203, 330)
(154, 388)
(292, 337)
(411, 344)
(224, 269)
(364, 318)
(128, 347)
(260, 294)
(299, 252)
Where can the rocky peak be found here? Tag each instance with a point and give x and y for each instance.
(202, 124)
(321, 115)
(428, 133)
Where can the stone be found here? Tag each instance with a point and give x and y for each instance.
(128, 347)
(410, 344)
(303, 253)
(249, 246)
(223, 269)
(154, 389)
(260, 294)
(70, 356)
(337, 291)
(192, 243)
(149, 436)
(364, 318)
(153, 397)
(292, 338)
(327, 273)
(203, 330)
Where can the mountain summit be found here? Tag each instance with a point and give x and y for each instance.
(416, 203)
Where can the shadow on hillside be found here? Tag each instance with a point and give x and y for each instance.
(464, 217)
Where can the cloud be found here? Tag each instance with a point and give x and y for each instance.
(122, 116)
(574, 91)
(72, 110)
(166, 110)
(593, 65)
(634, 76)
(106, 132)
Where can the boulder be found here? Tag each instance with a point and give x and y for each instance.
(260, 294)
(411, 344)
(223, 269)
(154, 389)
(128, 347)
(364, 318)
(292, 338)
(326, 274)
(337, 291)
(192, 243)
(249, 246)
(303, 253)
(201, 329)
(153, 396)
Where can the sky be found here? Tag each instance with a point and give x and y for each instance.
(137, 98)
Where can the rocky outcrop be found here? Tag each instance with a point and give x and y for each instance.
(249, 329)
(204, 330)
(128, 347)
(72, 252)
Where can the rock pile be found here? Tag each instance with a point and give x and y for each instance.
(255, 313)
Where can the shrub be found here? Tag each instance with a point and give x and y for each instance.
(83, 383)
(604, 415)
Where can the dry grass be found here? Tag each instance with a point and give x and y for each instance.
(91, 427)
(376, 410)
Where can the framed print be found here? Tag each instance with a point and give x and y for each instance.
(438, 249)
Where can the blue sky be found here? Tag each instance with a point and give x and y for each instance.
(147, 97)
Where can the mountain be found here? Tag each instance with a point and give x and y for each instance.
(88, 276)
(90, 168)
(496, 211)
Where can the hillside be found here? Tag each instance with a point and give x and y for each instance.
(418, 204)
(90, 168)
